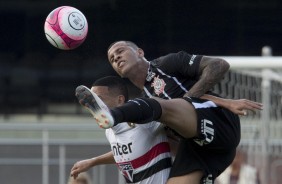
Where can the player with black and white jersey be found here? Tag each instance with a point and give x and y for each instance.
(218, 129)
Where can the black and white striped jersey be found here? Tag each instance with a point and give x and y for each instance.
(171, 76)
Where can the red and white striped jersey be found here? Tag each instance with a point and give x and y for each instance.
(142, 152)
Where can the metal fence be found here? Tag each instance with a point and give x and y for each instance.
(40, 152)
(259, 79)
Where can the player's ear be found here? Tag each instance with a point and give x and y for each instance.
(121, 99)
(140, 52)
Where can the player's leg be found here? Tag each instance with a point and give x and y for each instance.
(188, 166)
(178, 114)
(214, 148)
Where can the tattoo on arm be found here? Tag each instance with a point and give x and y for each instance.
(212, 70)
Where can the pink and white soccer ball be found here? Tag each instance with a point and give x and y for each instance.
(66, 27)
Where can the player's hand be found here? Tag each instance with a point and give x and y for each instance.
(242, 106)
(79, 167)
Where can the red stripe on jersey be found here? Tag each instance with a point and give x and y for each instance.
(158, 149)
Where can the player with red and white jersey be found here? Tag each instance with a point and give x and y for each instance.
(141, 152)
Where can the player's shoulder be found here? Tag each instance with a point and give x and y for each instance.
(168, 60)
(172, 55)
(152, 126)
(120, 128)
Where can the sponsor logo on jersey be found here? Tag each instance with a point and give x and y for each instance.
(159, 85)
(122, 149)
(127, 170)
(192, 60)
(207, 130)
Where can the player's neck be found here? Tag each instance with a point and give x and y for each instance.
(139, 77)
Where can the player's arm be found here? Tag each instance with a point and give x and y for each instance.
(84, 165)
(211, 71)
(240, 106)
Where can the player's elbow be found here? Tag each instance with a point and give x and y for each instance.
(221, 65)
(224, 65)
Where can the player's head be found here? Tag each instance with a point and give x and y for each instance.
(124, 56)
(112, 90)
(129, 43)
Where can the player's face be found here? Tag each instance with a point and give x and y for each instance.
(123, 58)
(109, 99)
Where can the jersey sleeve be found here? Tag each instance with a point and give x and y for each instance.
(180, 63)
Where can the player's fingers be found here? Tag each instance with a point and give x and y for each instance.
(239, 111)
(75, 176)
(73, 168)
(74, 171)
(253, 104)
(254, 108)
(249, 105)
(245, 113)
(257, 106)
(251, 108)
(242, 113)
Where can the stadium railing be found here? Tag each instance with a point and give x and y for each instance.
(259, 79)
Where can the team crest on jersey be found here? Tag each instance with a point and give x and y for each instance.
(127, 170)
(159, 85)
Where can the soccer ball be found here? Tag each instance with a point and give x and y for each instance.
(66, 27)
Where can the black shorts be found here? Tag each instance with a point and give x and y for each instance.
(213, 150)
